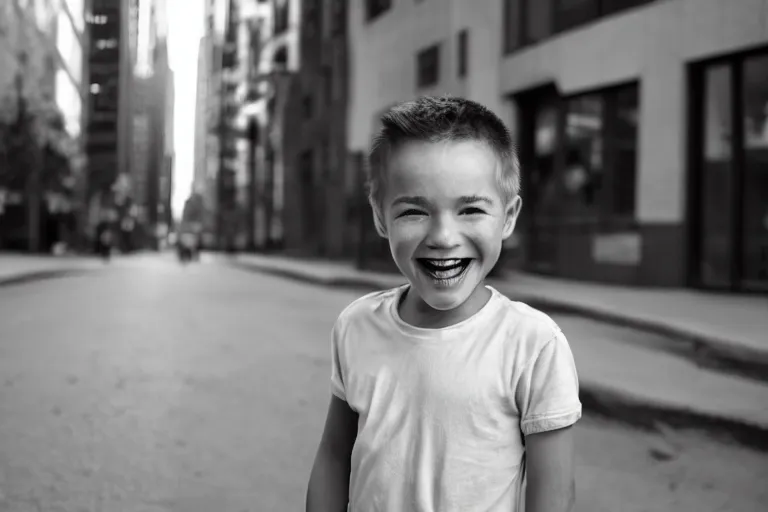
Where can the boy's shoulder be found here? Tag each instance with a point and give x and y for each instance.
(371, 305)
(527, 323)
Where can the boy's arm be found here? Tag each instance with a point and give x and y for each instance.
(550, 466)
(329, 481)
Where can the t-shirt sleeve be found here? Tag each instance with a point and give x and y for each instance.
(547, 392)
(337, 374)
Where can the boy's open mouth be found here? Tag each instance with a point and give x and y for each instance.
(444, 269)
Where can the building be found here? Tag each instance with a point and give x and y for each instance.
(641, 124)
(110, 121)
(321, 194)
(270, 111)
(42, 58)
(200, 183)
(208, 117)
(152, 127)
(253, 49)
(655, 112)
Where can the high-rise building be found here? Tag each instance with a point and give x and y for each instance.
(110, 71)
(201, 128)
(152, 115)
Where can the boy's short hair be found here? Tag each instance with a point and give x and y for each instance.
(439, 119)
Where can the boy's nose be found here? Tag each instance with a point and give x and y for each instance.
(442, 235)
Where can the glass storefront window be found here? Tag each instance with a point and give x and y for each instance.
(717, 163)
(583, 177)
(755, 146)
(601, 154)
(624, 134)
(543, 175)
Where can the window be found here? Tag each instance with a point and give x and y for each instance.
(462, 54)
(591, 176)
(572, 13)
(754, 119)
(376, 8)
(428, 66)
(530, 21)
(106, 44)
(98, 19)
(729, 119)
(601, 153)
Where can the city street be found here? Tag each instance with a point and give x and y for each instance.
(151, 386)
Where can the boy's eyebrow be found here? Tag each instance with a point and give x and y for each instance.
(475, 199)
(423, 202)
(417, 200)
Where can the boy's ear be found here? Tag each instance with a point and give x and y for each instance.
(513, 211)
(381, 227)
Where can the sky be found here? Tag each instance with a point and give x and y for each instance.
(185, 28)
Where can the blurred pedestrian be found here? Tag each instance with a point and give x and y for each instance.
(446, 395)
(106, 240)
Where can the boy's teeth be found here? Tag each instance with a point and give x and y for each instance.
(444, 263)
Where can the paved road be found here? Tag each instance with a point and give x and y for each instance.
(152, 387)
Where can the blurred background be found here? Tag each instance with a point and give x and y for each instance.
(183, 215)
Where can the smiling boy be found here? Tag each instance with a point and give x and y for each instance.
(446, 395)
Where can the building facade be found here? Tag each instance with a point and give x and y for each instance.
(642, 127)
(320, 191)
(641, 124)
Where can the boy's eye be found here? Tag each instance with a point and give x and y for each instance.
(472, 211)
(410, 212)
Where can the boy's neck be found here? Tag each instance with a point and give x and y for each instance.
(414, 311)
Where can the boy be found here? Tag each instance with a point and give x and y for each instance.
(446, 395)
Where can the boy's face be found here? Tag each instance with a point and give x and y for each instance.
(445, 218)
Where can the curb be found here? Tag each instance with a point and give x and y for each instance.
(598, 400)
(39, 275)
(706, 352)
(624, 408)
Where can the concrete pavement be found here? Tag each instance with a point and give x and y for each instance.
(151, 386)
(627, 373)
(17, 268)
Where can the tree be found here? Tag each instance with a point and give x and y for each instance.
(36, 158)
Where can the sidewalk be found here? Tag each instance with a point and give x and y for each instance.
(727, 330)
(627, 375)
(18, 268)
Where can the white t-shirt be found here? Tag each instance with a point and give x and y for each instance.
(443, 412)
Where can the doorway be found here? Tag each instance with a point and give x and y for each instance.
(729, 173)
